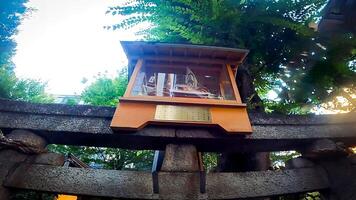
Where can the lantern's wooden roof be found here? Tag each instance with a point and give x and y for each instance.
(163, 53)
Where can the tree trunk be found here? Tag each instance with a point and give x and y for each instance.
(244, 81)
(239, 162)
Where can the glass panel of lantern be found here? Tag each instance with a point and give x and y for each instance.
(195, 81)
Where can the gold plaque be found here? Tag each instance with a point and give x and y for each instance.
(182, 113)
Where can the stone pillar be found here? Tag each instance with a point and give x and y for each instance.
(11, 156)
(296, 163)
(340, 166)
(342, 177)
(180, 158)
(8, 160)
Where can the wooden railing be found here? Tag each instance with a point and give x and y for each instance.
(326, 165)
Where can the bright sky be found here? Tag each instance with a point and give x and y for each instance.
(63, 41)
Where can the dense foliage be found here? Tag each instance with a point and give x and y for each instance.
(333, 75)
(105, 91)
(108, 158)
(305, 68)
(10, 16)
(285, 54)
(12, 87)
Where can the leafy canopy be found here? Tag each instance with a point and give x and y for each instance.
(105, 91)
(11, 87)
(283, 49)
(10, 17)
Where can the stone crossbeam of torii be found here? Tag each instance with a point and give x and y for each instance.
(325, 166)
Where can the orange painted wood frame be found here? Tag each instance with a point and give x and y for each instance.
(137, 69)
(135, 112)
(132, 80)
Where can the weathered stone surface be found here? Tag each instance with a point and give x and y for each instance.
(91, 182)
(56, 109)
(8, 160)
(265, 183)
(93, 131)
(28, 138)
(178, 185)
(324, 148)
(9, 155)
(180, 158)
(48, 159)
(108, 112)
(299, 162)
(342, 175)
(280, 119)
(88, 125)
(175, 185)
(172, 185)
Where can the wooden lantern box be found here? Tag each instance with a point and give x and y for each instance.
(178, 84)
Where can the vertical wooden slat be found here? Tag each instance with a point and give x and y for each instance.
(133, 77)
(234, 86)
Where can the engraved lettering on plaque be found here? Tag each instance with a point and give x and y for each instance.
(182, 113)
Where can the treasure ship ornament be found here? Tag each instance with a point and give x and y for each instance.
(182, 85)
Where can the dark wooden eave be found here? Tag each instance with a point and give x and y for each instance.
(338, 16)
(183, 54)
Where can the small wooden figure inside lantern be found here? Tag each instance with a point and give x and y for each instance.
(179, 84)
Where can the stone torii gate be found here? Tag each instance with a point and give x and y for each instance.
(326, 165)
